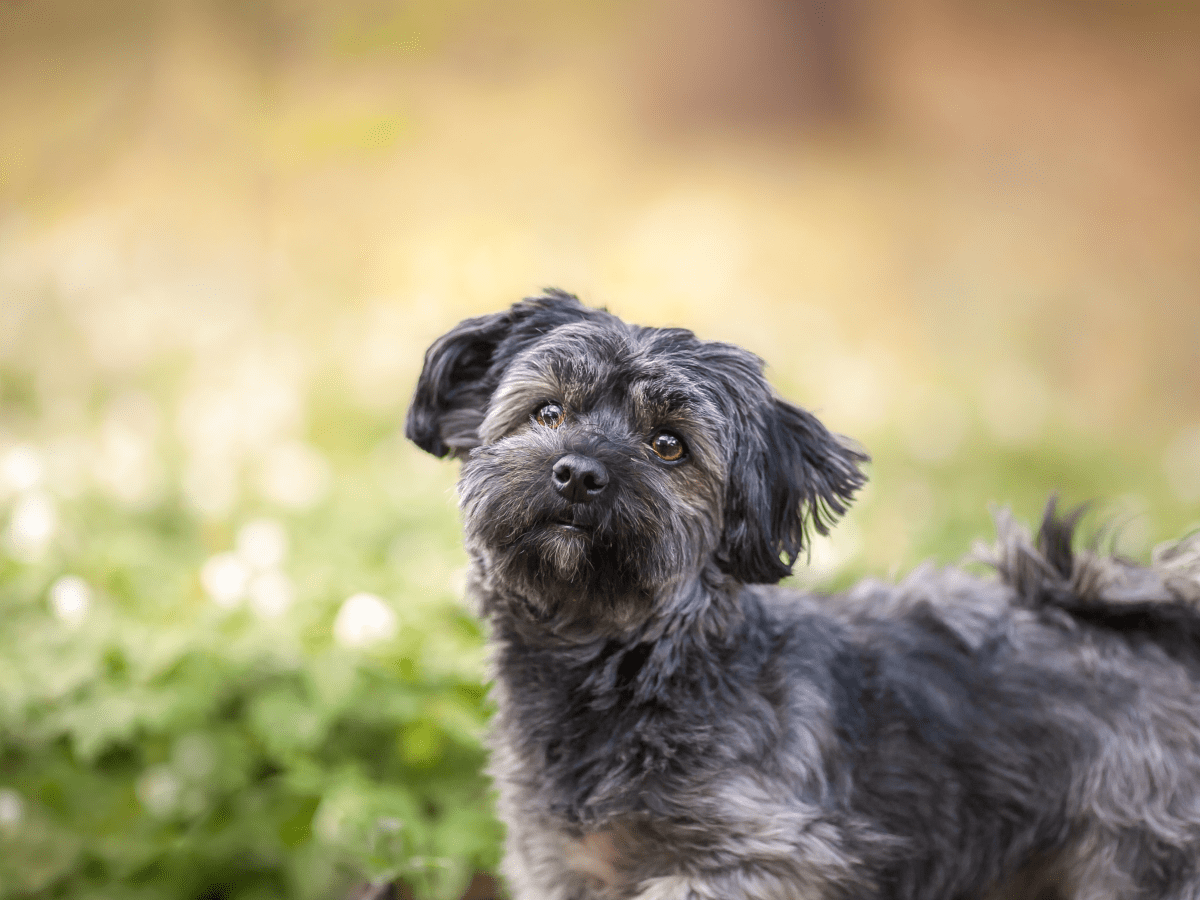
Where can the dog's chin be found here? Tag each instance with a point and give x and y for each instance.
(563, 547)
(565, 565)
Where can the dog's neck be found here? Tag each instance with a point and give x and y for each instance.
(681, 631)
(584, 707)
(699, 606)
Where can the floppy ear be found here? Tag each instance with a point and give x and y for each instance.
(453, 390)
(792, 475)
(463, 367)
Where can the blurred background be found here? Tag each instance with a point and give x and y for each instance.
(234, 659)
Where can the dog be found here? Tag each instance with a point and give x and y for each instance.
(672, 725)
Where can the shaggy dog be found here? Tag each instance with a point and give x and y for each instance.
(671, 725)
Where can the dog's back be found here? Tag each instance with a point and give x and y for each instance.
(1040, 731)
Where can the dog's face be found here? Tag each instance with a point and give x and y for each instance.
(605, 462)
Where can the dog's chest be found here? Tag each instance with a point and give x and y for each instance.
(593, 768)
(615, 858)
(597, 859)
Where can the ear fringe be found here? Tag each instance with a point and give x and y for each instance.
(795, 477)
(827, 475)
(841, 481)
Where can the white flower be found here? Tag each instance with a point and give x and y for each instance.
(158, 789)
(70, 599)
(33, 522)
(270, 594)
(262, 544)
(12, 808)
(362, 620)
(224, 578)
(21, 469)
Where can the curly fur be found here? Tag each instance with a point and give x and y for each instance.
(671, 725)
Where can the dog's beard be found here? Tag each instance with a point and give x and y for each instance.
(564, 548)
(602, 559)
(549, 552)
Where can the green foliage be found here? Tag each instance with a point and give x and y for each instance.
(165, 746)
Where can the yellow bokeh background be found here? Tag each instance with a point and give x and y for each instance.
(948, 227)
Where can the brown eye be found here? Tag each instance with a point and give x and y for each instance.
(667, 446)
(551, 415)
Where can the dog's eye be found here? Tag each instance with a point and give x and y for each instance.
(668, 446)
(551, 415)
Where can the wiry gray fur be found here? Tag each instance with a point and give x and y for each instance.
(672, 726)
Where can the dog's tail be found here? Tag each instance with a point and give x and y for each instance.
(1160, 601)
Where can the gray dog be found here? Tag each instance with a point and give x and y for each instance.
(672, 726)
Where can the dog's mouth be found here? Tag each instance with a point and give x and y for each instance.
(566, 523)
(571, 522)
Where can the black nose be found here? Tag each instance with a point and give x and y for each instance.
(580, 478)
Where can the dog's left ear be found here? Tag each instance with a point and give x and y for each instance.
(463, 367)
(791, 475)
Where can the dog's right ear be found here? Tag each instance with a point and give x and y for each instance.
(463, 367)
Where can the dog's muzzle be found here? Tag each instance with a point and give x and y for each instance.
(578, 478)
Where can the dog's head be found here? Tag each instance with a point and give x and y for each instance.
(604, 461)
